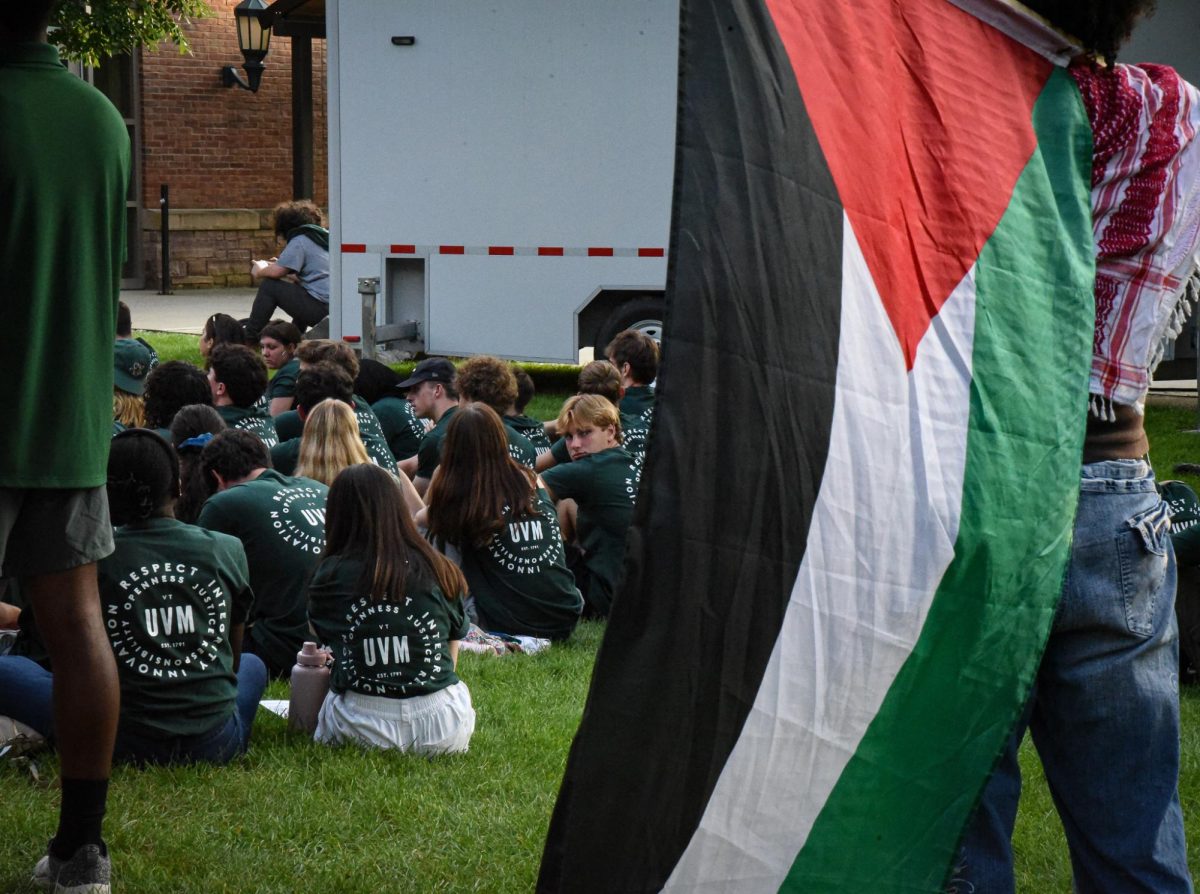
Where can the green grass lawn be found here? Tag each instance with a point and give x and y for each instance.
(293, 815)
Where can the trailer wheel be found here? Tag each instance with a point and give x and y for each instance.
(644, 314)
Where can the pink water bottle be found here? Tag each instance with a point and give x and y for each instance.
(310, 683)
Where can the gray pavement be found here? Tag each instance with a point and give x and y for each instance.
(187, 309)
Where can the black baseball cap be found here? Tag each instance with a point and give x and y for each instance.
(431, 369)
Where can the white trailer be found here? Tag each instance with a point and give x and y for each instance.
(502, 169)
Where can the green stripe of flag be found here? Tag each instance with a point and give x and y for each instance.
(909, 788)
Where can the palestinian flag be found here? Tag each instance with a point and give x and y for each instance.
(857, 509)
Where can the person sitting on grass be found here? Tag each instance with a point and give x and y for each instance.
(490, 380)
(321, 381)
(131, 363)
(125, 330)
(391, 609)
(191, 430)
(636, 356)
(279, 341)
(281, 523)
(516, 419)
(220, 329)
(322, 350)
(175, 598)
(601, 377)
(595, 494)
(377, 384)
(238, 378)
(330, 442)
(505, 528)
(170, 387)
(433, 393)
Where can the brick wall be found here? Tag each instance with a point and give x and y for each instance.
(220, 148)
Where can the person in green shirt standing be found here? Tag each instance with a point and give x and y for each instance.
(238, 378)
(64, 173)
(595, 493)
(281, 523)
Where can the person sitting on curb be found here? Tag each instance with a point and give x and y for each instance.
(238, 378)
(187, 692)
(297, 282)
(281, 523)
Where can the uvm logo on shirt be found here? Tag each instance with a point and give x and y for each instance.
(526, 545)
(298, 517)
(159, 631)
(389, 649)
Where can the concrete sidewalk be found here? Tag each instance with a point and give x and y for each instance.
(186, 310)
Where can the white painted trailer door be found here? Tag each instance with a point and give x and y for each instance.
(525, 127)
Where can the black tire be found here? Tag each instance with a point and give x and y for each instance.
(643, 313)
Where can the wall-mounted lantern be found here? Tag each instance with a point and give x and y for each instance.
(253, 40)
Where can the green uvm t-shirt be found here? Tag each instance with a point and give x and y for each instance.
(639, 401)
(431, 446)
(281, 523)
(633, 433)
(519, 447)
(64, 167)
(532, 429)
(400, 425)
(372, 435)
(393, 649)
(252, 419)
(283, 383)
(170, 594)
(604, 485)
(520, 580)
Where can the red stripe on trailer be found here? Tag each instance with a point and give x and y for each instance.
(355, 339)
(452, 249)
(404, 249)
(550, 251)
(354, 248)
(651, 252)
(600, 252)
(500, 250)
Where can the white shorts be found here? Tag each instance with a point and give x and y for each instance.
(439, 723)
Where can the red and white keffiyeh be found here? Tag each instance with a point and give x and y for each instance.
(1146, 221)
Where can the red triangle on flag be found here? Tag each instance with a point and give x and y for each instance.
(923, 114)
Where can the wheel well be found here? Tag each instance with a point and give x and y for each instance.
(600, 308)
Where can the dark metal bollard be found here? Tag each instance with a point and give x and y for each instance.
(164, 207)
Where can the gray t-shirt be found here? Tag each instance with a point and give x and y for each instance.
(311, 264)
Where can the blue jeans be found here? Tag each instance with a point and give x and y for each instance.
(26, 690)
(1104, 711)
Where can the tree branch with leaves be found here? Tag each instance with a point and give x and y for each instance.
(88, 31)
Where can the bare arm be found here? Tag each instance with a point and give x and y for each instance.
(280, 405)
(269, 270)
(421, 484)
(408, 467)
(454, 653)
(545, 461)
(412, 499)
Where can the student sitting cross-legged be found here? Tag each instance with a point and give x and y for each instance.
(494, 511)
(391, 609)
(595, 493)
(174, 599)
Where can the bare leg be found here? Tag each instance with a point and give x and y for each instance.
(86, 691)
(567, 510)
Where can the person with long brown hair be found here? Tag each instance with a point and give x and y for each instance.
(391, 609)
(506, 529)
